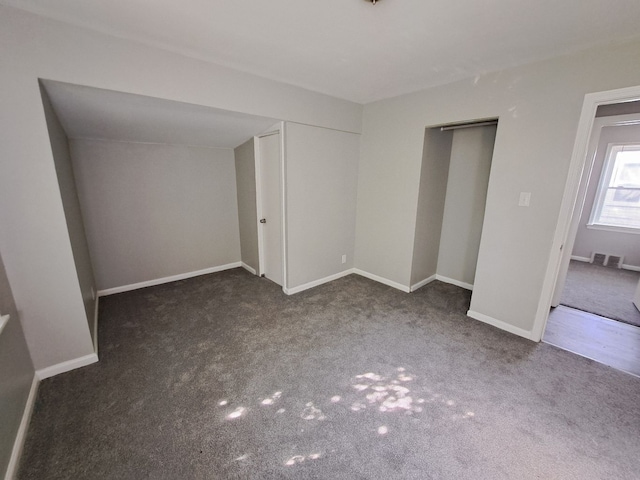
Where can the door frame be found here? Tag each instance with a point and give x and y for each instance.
(578, 167)
(278, 128)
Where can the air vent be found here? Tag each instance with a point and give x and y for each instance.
(599, 259)
(607, 260)
(614, 261)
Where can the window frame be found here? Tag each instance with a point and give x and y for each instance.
(603, 186)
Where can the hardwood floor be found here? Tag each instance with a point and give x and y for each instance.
(606, 341)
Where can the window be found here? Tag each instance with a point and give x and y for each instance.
(617, 202)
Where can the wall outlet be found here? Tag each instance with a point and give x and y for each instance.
(344, 259)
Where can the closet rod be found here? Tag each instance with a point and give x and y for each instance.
(468, 125)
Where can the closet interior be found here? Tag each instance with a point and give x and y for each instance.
(456, 165)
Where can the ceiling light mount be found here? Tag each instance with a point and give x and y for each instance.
(373, 2)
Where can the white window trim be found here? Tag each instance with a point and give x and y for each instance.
(601, 192)
(613, 228)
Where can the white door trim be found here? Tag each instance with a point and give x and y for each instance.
(259, 208)
(283, 206)
(576, 168)
(277, 129)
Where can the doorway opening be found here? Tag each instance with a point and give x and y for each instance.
(591, 307)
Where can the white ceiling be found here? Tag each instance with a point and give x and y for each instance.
(350, 48)
(87, 112)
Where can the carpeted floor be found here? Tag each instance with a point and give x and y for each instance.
(225, 377)
(605, 291)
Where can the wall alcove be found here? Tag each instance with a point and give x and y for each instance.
(456, 164)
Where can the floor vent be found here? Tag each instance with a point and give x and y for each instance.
(607, 260)
(614, 261)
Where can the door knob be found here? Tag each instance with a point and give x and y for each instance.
(263, 220)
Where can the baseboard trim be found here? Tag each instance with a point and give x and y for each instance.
(66, 366)
(633, 268)
(382, 280)
(248, 268)
(580, 259)
(315, 283)
(422, 283)
(172, 278)
(452, 281)
(500, 324)
(21, 436)
(95, 326)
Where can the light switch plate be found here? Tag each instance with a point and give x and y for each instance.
(525, 199)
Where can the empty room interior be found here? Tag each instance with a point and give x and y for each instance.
(330, 240)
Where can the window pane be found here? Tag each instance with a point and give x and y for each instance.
(620, 204)
(626, 171)
(621, 208)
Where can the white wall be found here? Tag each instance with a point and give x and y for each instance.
(321, 171)
(539, 107)
(153, 211)
(34, 239)
(434, 172)
(72, 213)
(590, 240)
(245, 161)
(471, 153)
(16, 373)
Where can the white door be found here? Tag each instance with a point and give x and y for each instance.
(271, 221)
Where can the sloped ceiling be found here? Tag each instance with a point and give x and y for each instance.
(86, 112)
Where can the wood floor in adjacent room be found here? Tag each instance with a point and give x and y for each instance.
(601, 339)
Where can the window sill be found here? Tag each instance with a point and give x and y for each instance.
(611, 228)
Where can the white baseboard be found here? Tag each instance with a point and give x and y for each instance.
(315, 283)
(500, 324)
(383, 280)
(248, 268)
(422, 283)
(95, 327)
(21, 436)
(633, 268)
(66, 366)
(457, 283)
(173, 278)
(580, 259)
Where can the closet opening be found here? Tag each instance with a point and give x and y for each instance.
(454, 178)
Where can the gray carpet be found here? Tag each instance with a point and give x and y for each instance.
(225, 377)
(605, 291)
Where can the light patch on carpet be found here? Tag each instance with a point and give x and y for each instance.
(271, 400)
(297, 459)
(388, 395)
(237, 413)
(311, 412)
